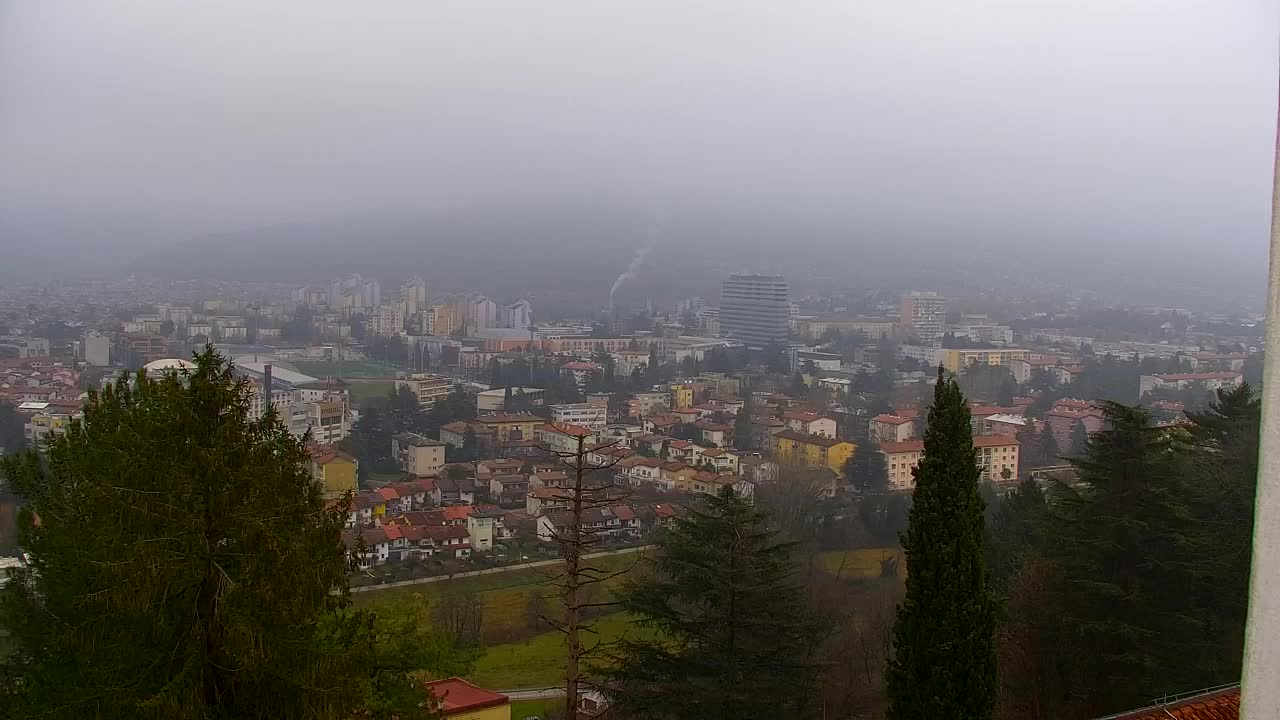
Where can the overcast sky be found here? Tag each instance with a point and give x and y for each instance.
(1120, 123)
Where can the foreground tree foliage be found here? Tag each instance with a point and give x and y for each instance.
(736, 638)
(183, 565)
(944, 663)
(1132, 583)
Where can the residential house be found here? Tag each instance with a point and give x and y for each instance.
(418, 455)
(672, 475)
(642, 405)
(563, 438)
(886, 428)
(757, 469)
(454, 491)
(333, 469)
(660, 424)
(996, 454)
(681, 396)
(810, 423)
(794, 448)
(587, 415)
(547, 499)
(715, 434)
(509, 489)
(454, 434)
(457, 699)
(719, 460)
(1208, 381)
(510, 427)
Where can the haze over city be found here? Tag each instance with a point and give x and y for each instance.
(1028, 134)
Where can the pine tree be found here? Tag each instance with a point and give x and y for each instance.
(184, 564)
(1124, 541)
(735, 635)
(866, 471)
(1222, 484)
(944, 663)
(1079, 439)
(1049, 449)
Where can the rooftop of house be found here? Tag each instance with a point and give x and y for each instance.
(1177, 377)
(803, 416)
(807, 439)
(914, 445)
(567, 429)
(324, 454)
(456, 695)
(890, 419)
(503, 418)
(1219, 704)
(416, 440)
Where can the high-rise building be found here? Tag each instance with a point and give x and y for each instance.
(97, 349)
(413, 295)
(924, 316)
(755, 309)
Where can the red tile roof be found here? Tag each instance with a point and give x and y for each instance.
(994, 440)
(324, 454)
(579, 366)
(820, 440)
(1215, 705)
(1175, 377)
(568, 429)
(804, 416)
(890, 419)
(916, 445)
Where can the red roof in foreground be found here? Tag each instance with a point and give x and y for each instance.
(456, 694)
(1215, 705)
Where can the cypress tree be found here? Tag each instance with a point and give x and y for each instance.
(735, 635)
(944, 663)
(184, 564)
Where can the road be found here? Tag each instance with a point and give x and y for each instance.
(546, 693)
(489, 571)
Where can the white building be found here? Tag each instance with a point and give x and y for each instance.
(923, 316)
(97, 349)
(585, 415)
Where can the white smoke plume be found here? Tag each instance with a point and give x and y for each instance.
(629, 273)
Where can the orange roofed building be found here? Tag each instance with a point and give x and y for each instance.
(1221, 704)
(457, 699)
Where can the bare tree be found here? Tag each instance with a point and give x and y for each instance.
(592, 489)
(462, 617)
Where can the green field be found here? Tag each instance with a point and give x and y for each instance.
(506, 596)
(362, 392)
(539, 661)
(521, 709)
(861, 563)
(344, 369)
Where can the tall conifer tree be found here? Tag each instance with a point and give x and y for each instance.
(735, 636)
(944, 663)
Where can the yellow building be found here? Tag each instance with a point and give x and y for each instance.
(509, 427)
(457, 699)
(795, 448)
(954, 359)
(681, 396)
(444, 319)
(333, 469)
